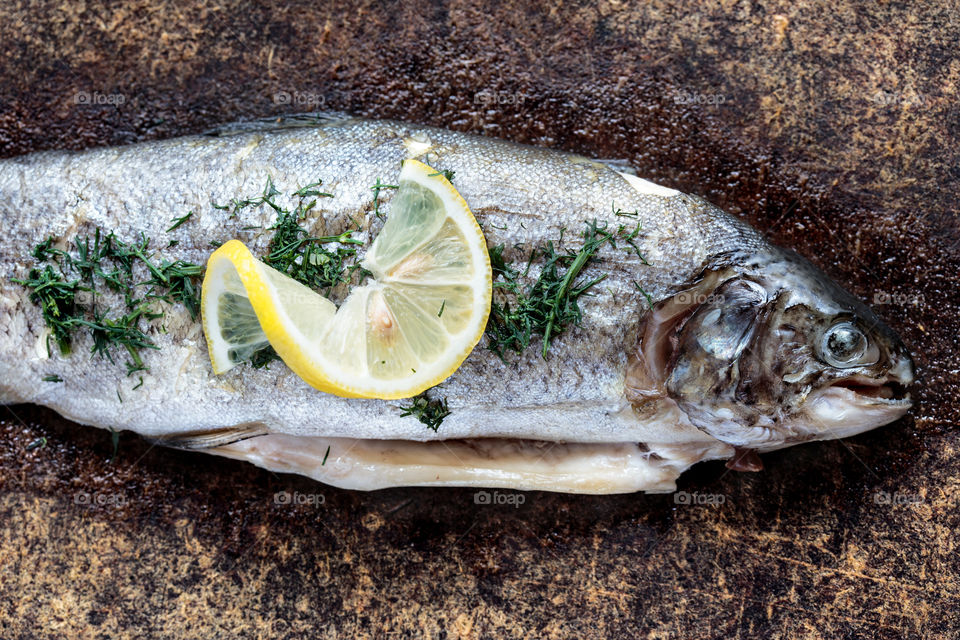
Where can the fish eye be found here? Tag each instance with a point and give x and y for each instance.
(845, 345)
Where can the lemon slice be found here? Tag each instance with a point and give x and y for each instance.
(404, 332)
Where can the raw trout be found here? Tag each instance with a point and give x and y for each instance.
(741, 347)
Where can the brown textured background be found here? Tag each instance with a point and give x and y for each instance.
(833, 126)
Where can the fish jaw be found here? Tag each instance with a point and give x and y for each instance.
(839, 412)
(857, 404)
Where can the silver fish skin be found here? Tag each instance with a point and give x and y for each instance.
(748, 347)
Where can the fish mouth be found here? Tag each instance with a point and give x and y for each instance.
(853, 405)
(876, 392)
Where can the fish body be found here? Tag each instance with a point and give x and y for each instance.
(702, 339)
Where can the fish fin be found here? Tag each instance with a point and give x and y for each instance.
(620, 165)
(277, 123)
(210, 438)
(745, 460)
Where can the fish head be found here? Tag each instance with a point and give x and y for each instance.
(774, 352)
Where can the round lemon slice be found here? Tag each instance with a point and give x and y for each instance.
(404, 332)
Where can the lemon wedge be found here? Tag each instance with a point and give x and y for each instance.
(405, 331)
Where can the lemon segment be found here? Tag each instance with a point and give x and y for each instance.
(406, 331)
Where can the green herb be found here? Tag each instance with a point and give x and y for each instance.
(376, 196)
(39, 443)
(138, 385)
(304, 258)
(70, 303)
(318, 262)
(52, 378)
(442, 305)
(56, 297)
(325, 456)
(114, 439)
(446, 173)
(310, 190)
(429, 412)
(266, 198)
(645, 294)
(179, 221)
(261, 358)
(550, 304)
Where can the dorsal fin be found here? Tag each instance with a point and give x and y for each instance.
(277, 123)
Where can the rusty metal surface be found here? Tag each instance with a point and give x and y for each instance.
(834, 127)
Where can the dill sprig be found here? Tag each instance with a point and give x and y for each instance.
(376, 195)
(446, 173)
(236, 205)
(429, 412)
(548, 306)
(179, 221)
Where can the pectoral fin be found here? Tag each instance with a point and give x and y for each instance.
(210, 438)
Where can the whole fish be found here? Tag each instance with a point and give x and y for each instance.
(703, 342)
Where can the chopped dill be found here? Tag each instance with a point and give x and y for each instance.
(261, 358)
(625, 214)
(429, 412)
(446, 173)
(66, 286)
(645, 294)
(311, 191)
(39, 443)
(236, 205)
(376, 196)
(179, 221)
(52, 378)
(325, 456)
(304, 258)
(442, 305)
(550, 304)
